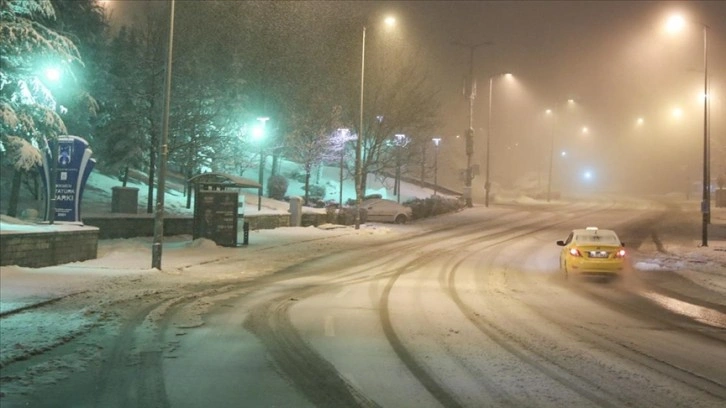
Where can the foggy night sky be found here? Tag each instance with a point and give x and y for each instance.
(613, 58)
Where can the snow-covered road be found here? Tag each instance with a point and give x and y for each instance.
(461, 310)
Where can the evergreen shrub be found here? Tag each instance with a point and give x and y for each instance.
(316, 192)
(434, 205)
(277, 187)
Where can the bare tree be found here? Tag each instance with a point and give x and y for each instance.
(405, 103)
(311, 141)
(152, 60)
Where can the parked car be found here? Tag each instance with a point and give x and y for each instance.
(593, 252)
(382, 210)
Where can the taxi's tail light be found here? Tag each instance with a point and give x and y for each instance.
(575, 252)
(620, 253)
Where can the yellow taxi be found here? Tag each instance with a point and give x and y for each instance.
(592, 252)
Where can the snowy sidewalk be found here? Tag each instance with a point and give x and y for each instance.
(22, 288)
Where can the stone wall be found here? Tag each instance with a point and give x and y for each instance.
(267, 221)
(309, 219)
(59, 247)
(129, 227)
(38, 249)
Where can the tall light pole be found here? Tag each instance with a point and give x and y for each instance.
(258, 132)
(437, 142)
(390, 21)
(163, 152)
(401, 142)
(487, 183)
(706, 205)
(471, 95)
(676, 23)
(359, 141)
(552, 154)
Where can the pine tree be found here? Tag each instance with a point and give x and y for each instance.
(28, 108)
(85, 23)
(124, 133)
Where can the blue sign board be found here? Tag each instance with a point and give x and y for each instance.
(72, 170)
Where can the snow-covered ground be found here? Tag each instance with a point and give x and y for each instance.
(19, 286)
(123, 267)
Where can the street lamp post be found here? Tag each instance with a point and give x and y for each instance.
(706, 205)
(52, 182)
(359, 141)
(552, 155)
(156, 248)
(487, 183)
(340, 184)
(676, 23)
(437, 142)
(401, 142)
(470, 131)
(259, 134)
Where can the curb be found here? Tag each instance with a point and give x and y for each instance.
(38, 304)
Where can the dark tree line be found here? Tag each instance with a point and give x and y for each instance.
(297, 63)
(30, 103)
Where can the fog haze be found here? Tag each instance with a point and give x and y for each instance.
(618, 64)
(613, 59)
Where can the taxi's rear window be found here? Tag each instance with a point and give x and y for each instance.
(600, 238)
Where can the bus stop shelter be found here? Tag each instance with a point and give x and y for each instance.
(216, 206)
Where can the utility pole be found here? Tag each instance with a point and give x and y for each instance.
(156, 248)
(470, 93)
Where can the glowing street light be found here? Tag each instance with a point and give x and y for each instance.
(487, 183)
(390, 22)
(258, 132)
(677, 23)
(53, 74)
